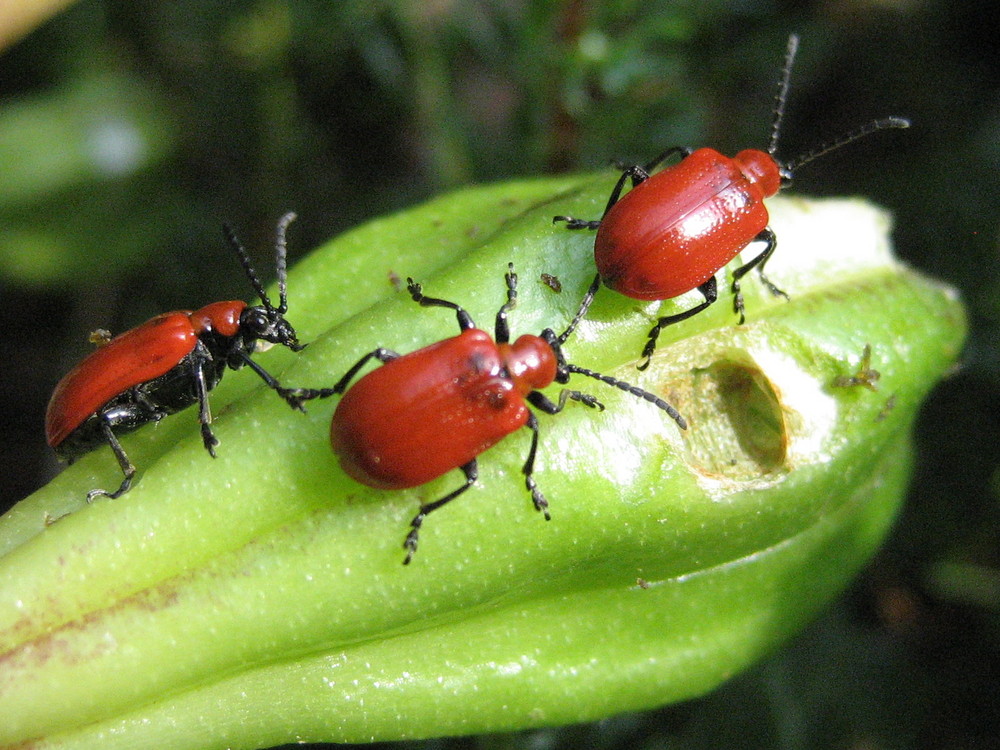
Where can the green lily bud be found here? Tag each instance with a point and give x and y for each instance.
(259, 598)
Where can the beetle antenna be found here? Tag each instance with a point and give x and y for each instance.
(584, 307)
(234, 242)
(781, 96)
(281, 261)
(282, 265)
(633, 390)
(866, 129)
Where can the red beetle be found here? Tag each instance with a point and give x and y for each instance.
(674, 230)
(425, 413)
(165, 365)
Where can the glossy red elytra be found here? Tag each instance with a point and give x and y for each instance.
(165, 365)
(674, 230)
(426, 413)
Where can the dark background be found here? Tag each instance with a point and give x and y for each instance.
(129, 131)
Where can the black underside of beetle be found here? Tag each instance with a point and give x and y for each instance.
(147, 402)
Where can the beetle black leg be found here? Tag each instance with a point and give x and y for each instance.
(292, 396)
(126, 466)
(584, 398)
(541, 504)
(204, 411)
(381, 354)
(636, 173)
(682, 151)
(295, 396)
(501, 330)
(471, 471)
(417, 293)
(540, 401)
(152, 412)
(709, 290)
(768, 236)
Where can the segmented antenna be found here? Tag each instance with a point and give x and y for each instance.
(632, 389)
(235, 243)
(281, 261)
(866, 129)
(781, 95)
(582, 311)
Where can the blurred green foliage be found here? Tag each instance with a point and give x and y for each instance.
(130, 131)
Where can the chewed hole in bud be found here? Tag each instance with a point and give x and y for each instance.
(738, 429)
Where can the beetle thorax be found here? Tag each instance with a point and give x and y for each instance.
(530, 361)
(224, 318)
(760, 167)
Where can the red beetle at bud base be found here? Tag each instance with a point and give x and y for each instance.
(165, 365)
(426, 413)
(674, 230)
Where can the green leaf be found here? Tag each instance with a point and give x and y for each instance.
(260, 598)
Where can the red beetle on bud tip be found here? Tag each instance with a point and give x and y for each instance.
(165, 365)
(675, 229)
(423, 414)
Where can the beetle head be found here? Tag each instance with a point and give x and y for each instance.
(267, 327)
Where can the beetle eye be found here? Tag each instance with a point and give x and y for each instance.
(254, 322)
